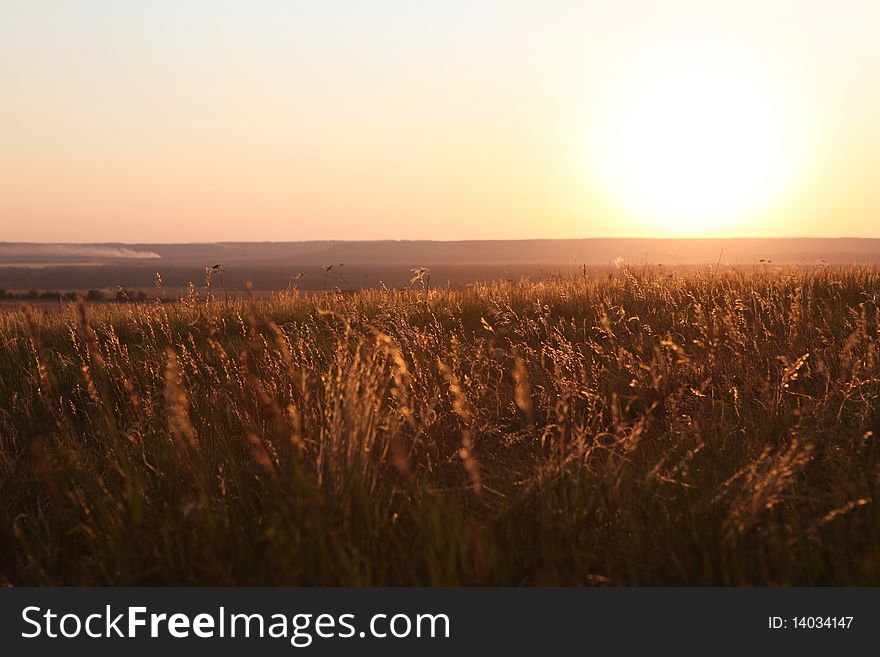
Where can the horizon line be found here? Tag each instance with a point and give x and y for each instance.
(446, 241)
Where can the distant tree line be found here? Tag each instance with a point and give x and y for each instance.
(121, 296)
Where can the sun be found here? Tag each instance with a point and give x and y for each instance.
(697, 143)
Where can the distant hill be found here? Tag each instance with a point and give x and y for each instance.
(271, 265)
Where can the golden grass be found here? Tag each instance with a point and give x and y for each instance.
(639, 427)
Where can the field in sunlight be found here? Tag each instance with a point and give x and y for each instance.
(644, 426)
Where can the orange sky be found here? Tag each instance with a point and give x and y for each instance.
(269, 120)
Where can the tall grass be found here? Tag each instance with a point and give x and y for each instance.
(639, 427)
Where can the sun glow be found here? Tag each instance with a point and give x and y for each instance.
(698, 143)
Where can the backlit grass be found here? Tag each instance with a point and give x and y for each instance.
(638, 426)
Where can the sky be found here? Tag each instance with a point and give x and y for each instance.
(198, 120)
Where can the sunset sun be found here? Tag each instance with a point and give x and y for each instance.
(697, 143)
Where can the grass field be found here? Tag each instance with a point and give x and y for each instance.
(646, 426)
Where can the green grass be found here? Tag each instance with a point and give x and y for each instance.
(643, 427)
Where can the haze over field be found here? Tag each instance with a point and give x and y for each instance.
(272, 265)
